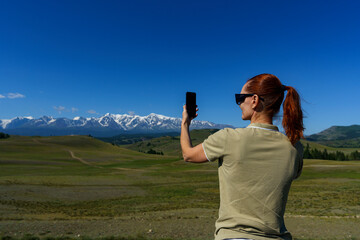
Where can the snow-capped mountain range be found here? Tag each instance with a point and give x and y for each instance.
(107, 125)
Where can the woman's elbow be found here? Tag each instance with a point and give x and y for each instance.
(186, 157)
(194, 155)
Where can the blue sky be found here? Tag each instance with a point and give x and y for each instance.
(88, 58)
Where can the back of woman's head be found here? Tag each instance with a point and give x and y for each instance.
(270, 88)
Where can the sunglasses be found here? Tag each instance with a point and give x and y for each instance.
(240, 97)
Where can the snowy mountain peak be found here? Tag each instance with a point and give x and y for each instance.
(4, 123)
(21, 118)
(158, 116)
(106, 125)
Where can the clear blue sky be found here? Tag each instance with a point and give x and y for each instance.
(88, 58)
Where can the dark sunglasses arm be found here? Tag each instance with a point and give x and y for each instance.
(239, 97)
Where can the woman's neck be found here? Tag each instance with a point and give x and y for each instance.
(261, 118)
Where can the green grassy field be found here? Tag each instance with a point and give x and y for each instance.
(80, 187)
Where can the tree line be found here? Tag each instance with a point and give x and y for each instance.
(4, 135)
(152, 151)
(314, 153)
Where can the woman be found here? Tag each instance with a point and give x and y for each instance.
(256, 164)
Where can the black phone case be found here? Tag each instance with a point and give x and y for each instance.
(191, 104)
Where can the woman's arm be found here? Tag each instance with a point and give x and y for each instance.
(190, 154)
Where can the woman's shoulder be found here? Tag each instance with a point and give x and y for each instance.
(233, 131)
(224, 133)
(245, 131)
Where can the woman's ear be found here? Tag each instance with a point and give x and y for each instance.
(255, 103)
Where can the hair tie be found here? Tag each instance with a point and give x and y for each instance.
(283, 87)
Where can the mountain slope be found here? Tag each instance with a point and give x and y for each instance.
(338, 136)
(337, 133)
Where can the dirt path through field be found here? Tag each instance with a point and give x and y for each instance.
(36, 141)
(71, 153)
(86, 162)
(89, 164)
(81, 160)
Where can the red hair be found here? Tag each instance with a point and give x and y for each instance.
(270, 88)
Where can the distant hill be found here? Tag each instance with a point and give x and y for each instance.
(70, 152)
(170, 145)
(338, 136)
(123, 139)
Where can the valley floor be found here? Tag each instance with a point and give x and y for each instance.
(54, 187)
(179, 224)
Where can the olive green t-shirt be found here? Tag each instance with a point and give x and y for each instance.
(256, 167)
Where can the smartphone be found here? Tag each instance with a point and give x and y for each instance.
(191, 104)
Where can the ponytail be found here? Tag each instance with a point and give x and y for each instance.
(270, 88)
(293, 116)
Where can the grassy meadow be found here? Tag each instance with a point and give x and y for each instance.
(74, 187)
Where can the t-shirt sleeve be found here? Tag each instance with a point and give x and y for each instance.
(214, 145)
(299, 158)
